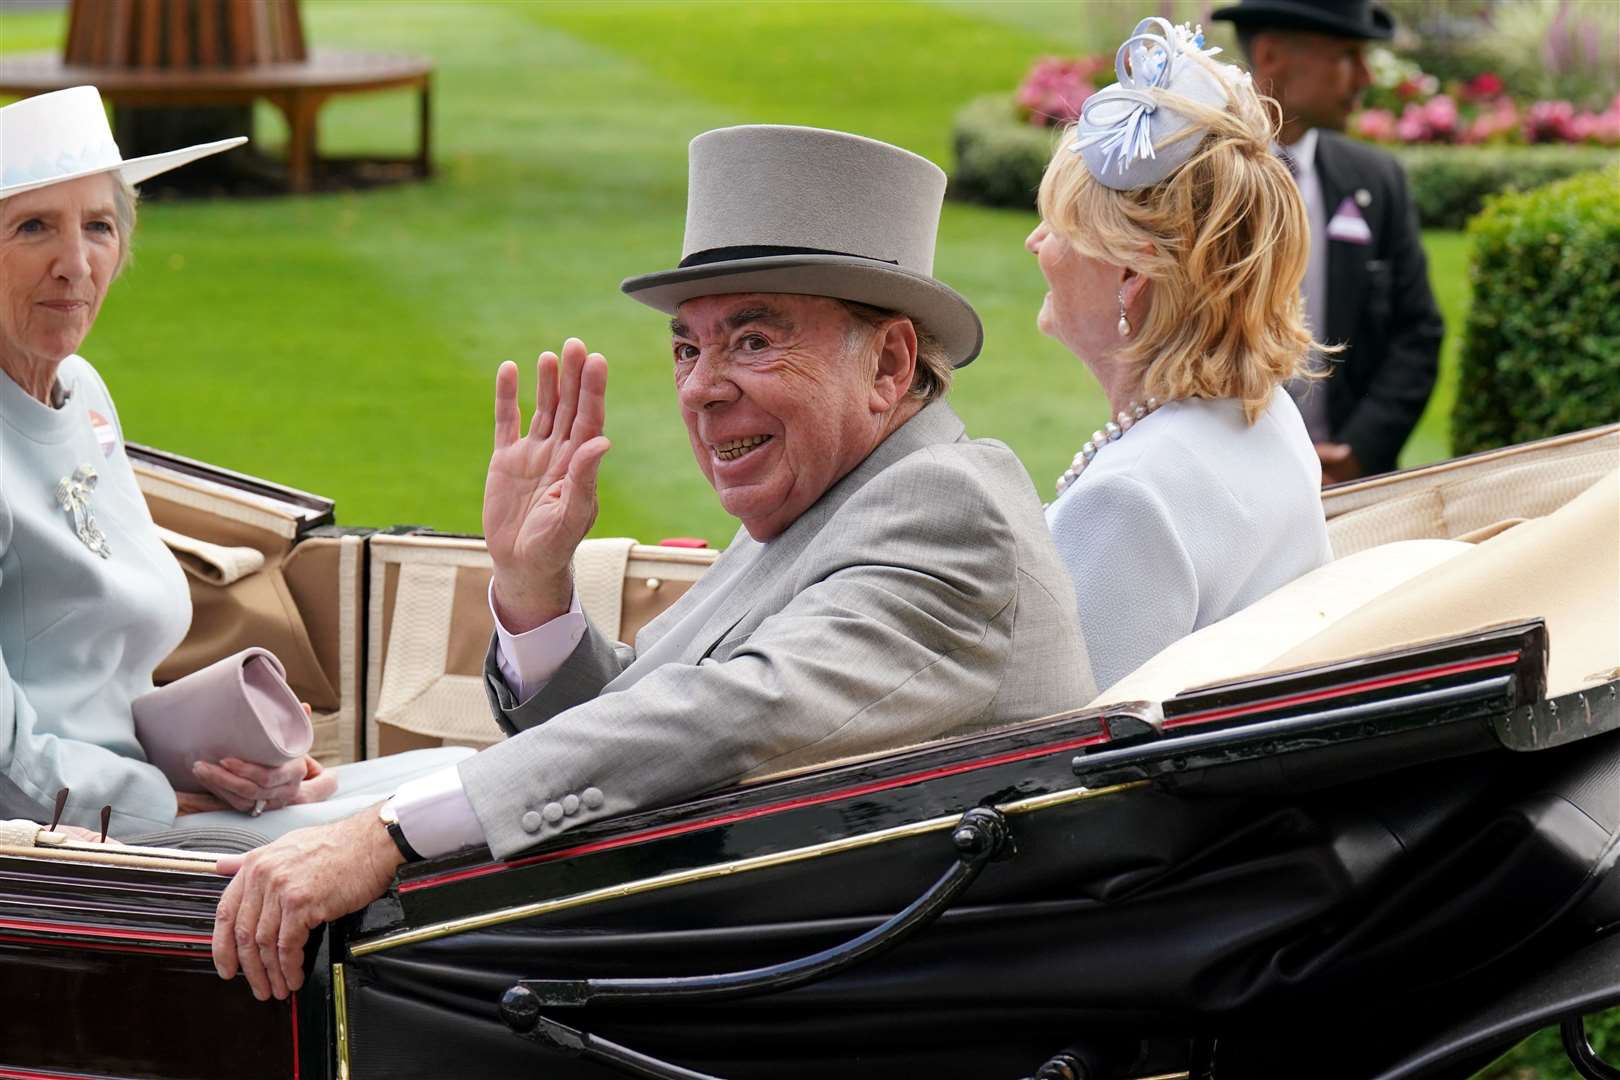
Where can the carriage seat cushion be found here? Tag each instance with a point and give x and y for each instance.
(1252, 639)
(1563, 568)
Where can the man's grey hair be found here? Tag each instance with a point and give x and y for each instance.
(932, 378)
(125, 199)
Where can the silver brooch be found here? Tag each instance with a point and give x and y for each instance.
(73, 495)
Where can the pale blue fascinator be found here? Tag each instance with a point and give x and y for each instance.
(1123, 128)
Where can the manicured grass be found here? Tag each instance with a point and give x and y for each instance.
(345, 344)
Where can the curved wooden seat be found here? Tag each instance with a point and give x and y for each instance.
(297, 88)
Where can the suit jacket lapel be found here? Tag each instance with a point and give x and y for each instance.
(1346, 263)
(696, 637)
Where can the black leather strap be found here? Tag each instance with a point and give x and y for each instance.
(397, 835)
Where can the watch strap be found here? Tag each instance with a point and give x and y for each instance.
(390, 820)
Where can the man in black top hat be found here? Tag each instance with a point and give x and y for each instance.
(1367, 286)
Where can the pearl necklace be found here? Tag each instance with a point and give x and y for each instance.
(1100, 438)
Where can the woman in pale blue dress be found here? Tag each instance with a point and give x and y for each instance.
(92, 599)
(1174, 242)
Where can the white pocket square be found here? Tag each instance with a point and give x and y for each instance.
(1348, 225)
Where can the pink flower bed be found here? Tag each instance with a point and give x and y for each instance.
(1439, 120)
(1055, 88)
(1404, 105)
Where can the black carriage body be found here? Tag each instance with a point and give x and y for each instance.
(1251, 863)
(1236, 868)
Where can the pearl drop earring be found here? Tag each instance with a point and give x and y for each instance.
(1124, 323)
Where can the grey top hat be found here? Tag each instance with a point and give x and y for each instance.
(800, 210)
(1365, 19)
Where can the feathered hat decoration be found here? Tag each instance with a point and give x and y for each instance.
(1123, 128)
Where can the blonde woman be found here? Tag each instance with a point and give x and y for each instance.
(1174, 243)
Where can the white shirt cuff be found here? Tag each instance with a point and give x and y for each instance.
(435, 814)
(528, 660)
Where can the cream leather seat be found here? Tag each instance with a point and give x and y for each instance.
(1564, 568)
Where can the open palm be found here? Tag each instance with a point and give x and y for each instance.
(540, 496)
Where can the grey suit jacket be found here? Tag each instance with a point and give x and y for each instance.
(919, 598)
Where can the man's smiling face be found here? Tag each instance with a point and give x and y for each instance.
(777, 394)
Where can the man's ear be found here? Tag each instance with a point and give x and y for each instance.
(1267, 51)
(896, 364)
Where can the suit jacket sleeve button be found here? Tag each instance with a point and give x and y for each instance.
(531, 822)
(570, 804)
(553, 813)
(592, 798)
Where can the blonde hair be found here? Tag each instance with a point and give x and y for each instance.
(1224, 241)
(125, 200)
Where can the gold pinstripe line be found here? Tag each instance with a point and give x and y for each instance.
(484, 920)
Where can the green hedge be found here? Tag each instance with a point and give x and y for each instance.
(1451, 183)
(1000, 158)
(1541, 347)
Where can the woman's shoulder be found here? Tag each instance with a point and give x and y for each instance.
(80, 376)
(1198, 455)
(88, 388)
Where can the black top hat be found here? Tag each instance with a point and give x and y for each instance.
(1365, 19)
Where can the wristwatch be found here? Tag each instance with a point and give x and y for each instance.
(390, 820)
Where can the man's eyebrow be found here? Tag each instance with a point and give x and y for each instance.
(769, 316)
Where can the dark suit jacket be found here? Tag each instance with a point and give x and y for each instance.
(1379, 306)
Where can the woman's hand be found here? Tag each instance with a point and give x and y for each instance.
(247, 787)
(196, 802)
(85, 836)
(540, 496)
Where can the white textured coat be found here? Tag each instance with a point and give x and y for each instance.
(1191, 515)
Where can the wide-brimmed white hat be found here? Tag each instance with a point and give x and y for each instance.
(782, 209)
(63, 135)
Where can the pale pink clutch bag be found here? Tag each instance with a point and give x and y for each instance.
(239, 707)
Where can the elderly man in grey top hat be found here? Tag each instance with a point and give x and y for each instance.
(893, 581)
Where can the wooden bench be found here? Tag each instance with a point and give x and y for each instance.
(189, 53)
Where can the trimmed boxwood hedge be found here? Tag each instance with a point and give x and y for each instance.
(1000, 158)
(1450, 183)
(1541, 347)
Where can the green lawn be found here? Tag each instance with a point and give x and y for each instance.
(346, 344)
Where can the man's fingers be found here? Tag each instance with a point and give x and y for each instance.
(235, 921)
(267, 936)
(592, 414)
(545, 396)
(294, 934)
(573, 361)
(508, 418)
(244, 928)
(583, 468)
(225, 919)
